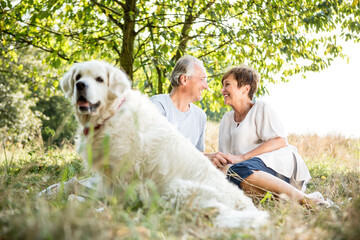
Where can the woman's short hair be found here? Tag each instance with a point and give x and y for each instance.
(244, 75)
(184, 66)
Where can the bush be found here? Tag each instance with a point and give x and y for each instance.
(18, 122)
(30, 105)
(58, 121)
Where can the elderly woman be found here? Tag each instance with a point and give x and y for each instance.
(252, 139)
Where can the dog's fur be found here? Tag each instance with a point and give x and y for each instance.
(143, 141)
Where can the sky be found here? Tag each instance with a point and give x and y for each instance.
(324, 103)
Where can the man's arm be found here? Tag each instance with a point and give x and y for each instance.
(159, 105)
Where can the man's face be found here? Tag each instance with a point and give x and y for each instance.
(197, 83)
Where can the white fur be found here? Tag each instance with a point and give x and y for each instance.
(143, 141)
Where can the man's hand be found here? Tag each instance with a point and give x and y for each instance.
(218, 159)
(233, 158)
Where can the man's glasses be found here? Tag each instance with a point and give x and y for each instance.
(202, 79)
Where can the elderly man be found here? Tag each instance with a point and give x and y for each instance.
(188, 80)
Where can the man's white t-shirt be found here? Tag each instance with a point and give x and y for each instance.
(190, 124)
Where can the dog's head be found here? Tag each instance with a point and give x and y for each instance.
(93, 85)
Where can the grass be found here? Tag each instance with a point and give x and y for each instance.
(333, 162)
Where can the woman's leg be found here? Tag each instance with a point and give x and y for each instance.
(259, 182)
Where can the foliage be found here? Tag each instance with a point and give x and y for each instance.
(59, 123)
(18, 123)
(25, 172)
(40, 39)
(30, 106)
(147, 37)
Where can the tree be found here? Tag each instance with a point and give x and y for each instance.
(30, 107)
(146, 37)
(18, 122)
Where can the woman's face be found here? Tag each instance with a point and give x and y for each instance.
(231, 92)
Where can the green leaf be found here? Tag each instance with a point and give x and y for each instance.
(271, 38)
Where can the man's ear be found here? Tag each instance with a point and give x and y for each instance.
(118, 82)
(183, 80)
(67, 82)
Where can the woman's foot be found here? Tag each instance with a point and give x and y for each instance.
(312, 200)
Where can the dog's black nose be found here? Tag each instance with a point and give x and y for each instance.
(81, 86)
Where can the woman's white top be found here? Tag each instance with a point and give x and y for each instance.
(262, 124)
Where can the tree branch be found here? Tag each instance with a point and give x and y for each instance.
(140, 47)
(216, 49)
(189, 21)
(37, 46)
(206, 7)
(120, 3)
(102, 6)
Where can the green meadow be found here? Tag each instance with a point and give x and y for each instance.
(25, 171)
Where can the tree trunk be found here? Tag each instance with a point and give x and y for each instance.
(189, 21)
(127, 48)
(160, 83)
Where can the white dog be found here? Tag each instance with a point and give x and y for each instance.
(142, 141)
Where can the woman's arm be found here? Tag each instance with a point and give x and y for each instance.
(222, 159)
(267, 146)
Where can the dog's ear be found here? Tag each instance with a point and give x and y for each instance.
(67, 82)
(118, 82)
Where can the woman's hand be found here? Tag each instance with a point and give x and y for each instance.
(217, 159)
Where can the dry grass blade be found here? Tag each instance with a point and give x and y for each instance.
(333, 162)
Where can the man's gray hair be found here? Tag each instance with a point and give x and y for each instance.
(184, 66)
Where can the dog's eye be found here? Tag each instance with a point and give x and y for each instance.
(99, 79)
(78, 77)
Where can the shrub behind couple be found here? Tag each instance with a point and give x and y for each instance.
(253, 149)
